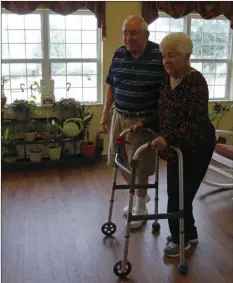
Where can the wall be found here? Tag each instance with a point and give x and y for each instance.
(115, 14)
(227, 121)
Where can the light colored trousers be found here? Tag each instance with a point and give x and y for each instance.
(119, 123)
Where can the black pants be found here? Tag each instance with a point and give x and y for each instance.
(194, 170)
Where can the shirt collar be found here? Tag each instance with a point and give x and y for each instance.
(145, 52)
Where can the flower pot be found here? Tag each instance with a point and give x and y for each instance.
(35, 155)
(54, 153)
(30, 136)
(47, 136)
(87, 149)
(11, 159)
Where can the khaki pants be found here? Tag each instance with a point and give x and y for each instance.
(146, 165)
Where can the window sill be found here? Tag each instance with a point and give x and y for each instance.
(49, 106)
(221, 101)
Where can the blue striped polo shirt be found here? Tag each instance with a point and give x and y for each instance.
(136, 82)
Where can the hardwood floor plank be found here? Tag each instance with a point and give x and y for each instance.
(51, 231)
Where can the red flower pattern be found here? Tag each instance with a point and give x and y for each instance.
(183, 116)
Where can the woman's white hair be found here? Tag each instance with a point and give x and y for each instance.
(138, 18)
(176, 42)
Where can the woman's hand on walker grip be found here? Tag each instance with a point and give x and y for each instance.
(136, 126)
(159, 143)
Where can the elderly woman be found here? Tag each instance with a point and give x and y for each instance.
(183, 123)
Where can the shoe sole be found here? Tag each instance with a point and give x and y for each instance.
(137, 227)
(193, 241)
(177, 255)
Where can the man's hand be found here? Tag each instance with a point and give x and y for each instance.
(159, 143)
(105, 122)
(136, 126)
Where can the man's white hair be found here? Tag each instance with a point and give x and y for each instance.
(138, 18)
(176, 42)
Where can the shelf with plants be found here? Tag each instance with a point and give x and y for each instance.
(49, 140)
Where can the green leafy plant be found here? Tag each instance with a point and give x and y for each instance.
(218, 112)
(86, 116)
(50, 128)
(31, 127)
(23, 106)
(66, 104)
(8, 144)
(38, 87)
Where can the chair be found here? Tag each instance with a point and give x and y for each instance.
(222, 163)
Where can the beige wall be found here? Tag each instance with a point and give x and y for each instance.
(115, 14)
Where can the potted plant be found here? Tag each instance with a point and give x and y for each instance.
(50, 131)
(67, 108)
(86, 146)
(9, 151)
(30, 132)
(23, 108)
(3, 103)
(55, 149)
(3, 95)
(216, 115)
(35, 155)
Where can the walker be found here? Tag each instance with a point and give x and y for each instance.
(123, 267)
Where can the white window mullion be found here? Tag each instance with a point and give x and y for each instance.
(99, 70)
(229, 88)
(187, 25)
(46, 68)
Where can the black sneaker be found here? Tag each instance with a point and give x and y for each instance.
(191, 241)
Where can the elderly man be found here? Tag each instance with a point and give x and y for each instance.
(134, 78)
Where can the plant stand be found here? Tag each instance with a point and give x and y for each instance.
(22, 116)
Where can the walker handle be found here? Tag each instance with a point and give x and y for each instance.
(141, 129)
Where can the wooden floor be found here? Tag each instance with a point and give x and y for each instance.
(51, 223)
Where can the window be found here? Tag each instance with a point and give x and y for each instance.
(211, 48)
(46, 47)
(21, 54)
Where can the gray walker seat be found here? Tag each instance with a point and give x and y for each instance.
(123, 267)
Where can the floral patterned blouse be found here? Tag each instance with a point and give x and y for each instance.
(183, 119)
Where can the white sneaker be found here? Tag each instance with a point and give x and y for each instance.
(137, 224)
(125, 210)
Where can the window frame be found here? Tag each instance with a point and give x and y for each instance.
(228, 61)
(46, 61)
(25, 61)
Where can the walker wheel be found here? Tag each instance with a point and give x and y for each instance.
(183, 269)
(117, 269)
(155, 227)
(108, 228)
